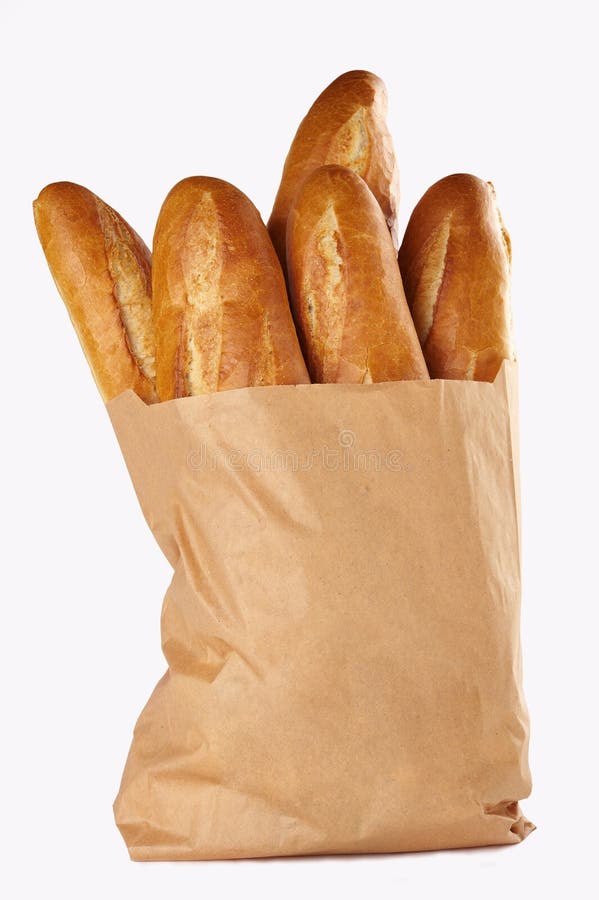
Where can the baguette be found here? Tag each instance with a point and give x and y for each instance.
(346, 290)
(345, 126)
(102, 270)
(221, 313)
(455, 260)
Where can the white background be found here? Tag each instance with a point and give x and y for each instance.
(129, 98)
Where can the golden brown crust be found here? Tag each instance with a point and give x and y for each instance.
(345, 286)
(345, 126)
(102, 270)
(221, 313)
(455, 261)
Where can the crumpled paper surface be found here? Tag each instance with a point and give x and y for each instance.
(342, 626)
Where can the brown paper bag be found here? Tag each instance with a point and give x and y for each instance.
(342, 627)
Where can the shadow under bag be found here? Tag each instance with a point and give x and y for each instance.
(342, 626)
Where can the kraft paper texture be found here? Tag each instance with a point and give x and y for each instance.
(342, 627)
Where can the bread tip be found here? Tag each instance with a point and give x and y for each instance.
(360, 72)
(364, 74)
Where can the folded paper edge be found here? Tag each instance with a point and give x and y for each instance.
(129, 399)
